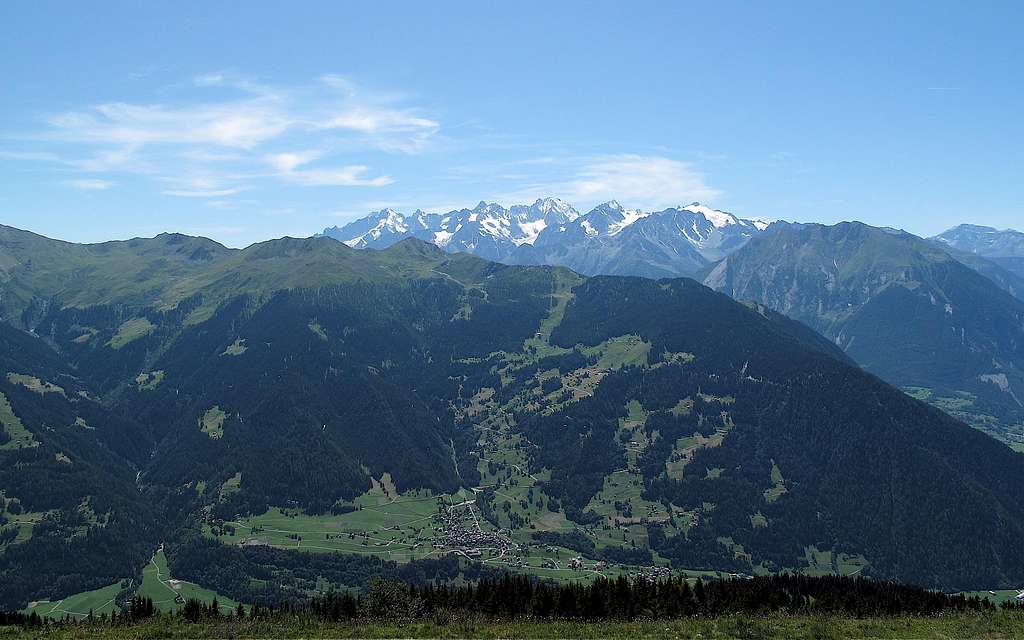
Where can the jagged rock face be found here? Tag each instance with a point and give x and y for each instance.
(609, 239)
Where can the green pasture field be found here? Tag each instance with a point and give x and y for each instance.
(9, 422)
(25, 522)
(157, 584)
(130, 331)
(79, 605)
(996, 596)
(33, 383)
(169, 594)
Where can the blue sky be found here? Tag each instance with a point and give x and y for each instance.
(248, 121)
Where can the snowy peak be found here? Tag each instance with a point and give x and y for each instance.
(528, 222)
(720, 219)
(610, 207)
(391, 218)
(608, 218)
(553, 209)
(384, 226)
(525, 233)
(490, 208)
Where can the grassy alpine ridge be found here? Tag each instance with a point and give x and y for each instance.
(298, 417)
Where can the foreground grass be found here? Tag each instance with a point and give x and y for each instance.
(981, 625)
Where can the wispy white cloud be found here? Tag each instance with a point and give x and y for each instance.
(262, 114)
(339, 83)
(208, 80)
(30, 156)
(201, 193)
(369, 120)
(109, 160)
(347, 176)
(242, 124)
(236, 138)
(287, 165)
(378, 119)
(208, 156)
(290, 160)
(203, 184)
(647, 182)
(89, 184)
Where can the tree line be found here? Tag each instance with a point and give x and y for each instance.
(512, 597)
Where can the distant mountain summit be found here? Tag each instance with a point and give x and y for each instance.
(904, 308)
(985, 241)
(1004, 247)
(609, 239)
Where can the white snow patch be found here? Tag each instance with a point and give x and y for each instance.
(530, 232)
(441, 238)
(628, 218)
(393, 220)
(717, 218)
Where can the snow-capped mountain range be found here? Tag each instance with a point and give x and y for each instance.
(609, 239)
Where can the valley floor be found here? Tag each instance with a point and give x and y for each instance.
(1004, 624)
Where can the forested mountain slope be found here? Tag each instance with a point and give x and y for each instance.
(71, 516)
(410, 403)
(901, 307)
(863, 460)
